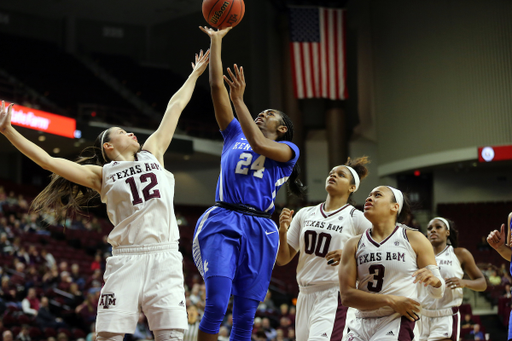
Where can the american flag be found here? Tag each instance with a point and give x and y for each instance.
(317, 47)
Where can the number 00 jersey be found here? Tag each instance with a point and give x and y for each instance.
(139, 196)
(386, 268)
(449, 266)
(249, 178)
(314, 232)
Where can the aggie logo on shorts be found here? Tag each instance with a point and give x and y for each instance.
(107, 300)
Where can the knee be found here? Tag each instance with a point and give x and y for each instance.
(169, 334)
(104, 336)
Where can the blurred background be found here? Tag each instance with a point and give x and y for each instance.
(421, 88)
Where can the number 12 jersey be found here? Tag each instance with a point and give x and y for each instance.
(139, 196)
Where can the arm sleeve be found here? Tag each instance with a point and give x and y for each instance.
(293, 234)
(436, 292)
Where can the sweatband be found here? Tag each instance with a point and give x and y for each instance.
(399, 197)
(357, 180)
(101, 145)
(443, 220)
(432, 291)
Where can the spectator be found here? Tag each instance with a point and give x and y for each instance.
(45, 318)
(259, 335)
(30, 304)
(223, 334)
(63, 266)
(87, 310)
(24, 333)
(228, 323)
(267, 304)
(49, 259)
(507, 293)
(32, 278)
(96, 263)
(267, 328)
(33, 254)
(476, 333)
(468, 322)
(494, 279)
(7, 290)
(62, 337)
(284, 310)
(76, 277)
(195, 294)
(284, 325)
(280, 335)
(77, 296)
(142, 331)
(18, 277)
(193, 324)
(7, 335)
(95, 225)
(5, 245)
(22, 203)
(257, 325)
(23, 256)
(291, 334)
(92, 335)
(51, 278)
(483, 245)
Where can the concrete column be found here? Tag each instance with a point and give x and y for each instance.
(337, 142)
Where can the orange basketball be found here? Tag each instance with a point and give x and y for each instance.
(223, 13)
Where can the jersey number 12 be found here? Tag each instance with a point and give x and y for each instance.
(146, 191)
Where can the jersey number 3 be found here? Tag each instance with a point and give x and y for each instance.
(146, 192)
(378, 271)
(258, 166)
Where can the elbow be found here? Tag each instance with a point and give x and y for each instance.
(280, 261)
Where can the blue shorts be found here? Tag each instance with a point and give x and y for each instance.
(239, 246)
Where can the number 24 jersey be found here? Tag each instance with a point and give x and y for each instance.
(314, 232)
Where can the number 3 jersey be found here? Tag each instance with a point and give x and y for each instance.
(139, 197)
(314, 232)
(386, 268)
(247, 177)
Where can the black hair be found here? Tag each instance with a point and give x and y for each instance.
(62, 196)
(359, 165)
(295, 186)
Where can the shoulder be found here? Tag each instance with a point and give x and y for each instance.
(294, 148)
(462, 253)
(416, 237)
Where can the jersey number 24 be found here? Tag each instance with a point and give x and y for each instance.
(258, 166)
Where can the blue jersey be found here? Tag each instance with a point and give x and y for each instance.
(249, 178)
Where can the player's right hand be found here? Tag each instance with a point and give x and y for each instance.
(5, 116)
(215, 33)
(496, 239)
(285, 218)
(406, 307)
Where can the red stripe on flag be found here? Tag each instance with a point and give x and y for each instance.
(312, 70)
(335, 54)
(326, 42)
(343, 28)
(294, 71)
(303, 69)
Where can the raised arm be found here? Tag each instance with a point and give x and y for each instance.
(220, 96)
(362, 300)
(477, 280)
(160, 140)
(85, 175)
(286, 252)
(259, 143)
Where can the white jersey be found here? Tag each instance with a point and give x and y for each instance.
(449, 266)
(314, 232)
(139, 196)
(386, 268)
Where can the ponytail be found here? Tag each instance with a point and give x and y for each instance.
(359, 165)
(62, 196)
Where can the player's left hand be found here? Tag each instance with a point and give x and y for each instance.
(201, 62)
(236, 83)
(333, 257)
(426, 277)
(454, 283)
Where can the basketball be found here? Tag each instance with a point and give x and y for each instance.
(223, 13)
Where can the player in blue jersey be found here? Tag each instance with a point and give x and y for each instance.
(235, 241)
(500, 241)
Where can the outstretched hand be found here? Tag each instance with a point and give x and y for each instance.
(497, 239)
(215, 33)
(201, 62)
(236, 83)
(5, 117)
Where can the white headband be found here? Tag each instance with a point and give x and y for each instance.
(443, 220)
(357, 180)
(399, 197)
(101, 145)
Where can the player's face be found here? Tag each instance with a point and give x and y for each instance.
(339, 180)
(269, 121)
(123, 141)
(437, 232)
(379, 204)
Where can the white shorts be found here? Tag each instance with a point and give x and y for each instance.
(439, 328)
(388, 328)
(148, 277)
(320, 314)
